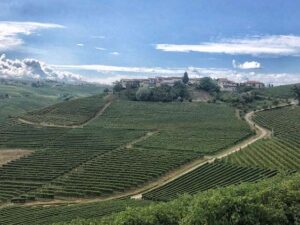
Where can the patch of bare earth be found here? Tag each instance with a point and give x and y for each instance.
(7, 155)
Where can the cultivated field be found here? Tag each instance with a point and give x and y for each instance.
(261, 159)
(29, 215)
(112, 153)
(208, 176)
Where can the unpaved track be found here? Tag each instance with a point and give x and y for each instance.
(137, 193)
(42, 124)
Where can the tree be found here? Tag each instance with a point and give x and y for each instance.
(207, 84)
(185, 78)
(296, 90)
(143, 94)
(106, 90)
(118, 87)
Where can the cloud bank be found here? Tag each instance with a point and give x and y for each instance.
(246, 65)
(31, 69)
(10, 32)
(108, 74)
(285, 45)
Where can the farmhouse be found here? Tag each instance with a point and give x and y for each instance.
(227, 85)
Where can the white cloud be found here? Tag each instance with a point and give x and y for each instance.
(31, 69)
(80, 44)
(100, 49)
(109, 74)
(107, 68)
(259, 45)
(10, 31)
(115, 53)
(246, 65)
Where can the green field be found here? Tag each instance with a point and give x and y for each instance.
(73, 112)
(271, 201)
(282, 152)
(182, 126)
(91, 161)
(279, 153)
(26, 215)
(270, 153)
(20, 97)
(208, 176)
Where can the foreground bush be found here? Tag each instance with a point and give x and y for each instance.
(274, 201)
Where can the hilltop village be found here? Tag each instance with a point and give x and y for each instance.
(223, 83)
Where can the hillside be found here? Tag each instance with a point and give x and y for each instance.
(130, 144)
(18, 97)
(86, 150)
(243, 204)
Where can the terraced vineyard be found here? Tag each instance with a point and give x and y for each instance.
(59, 157)
(190, 126)
(285, 121)
(281, 152)
(92, 161)
(270, 153)
(210, 175)
(74, 112)
(116, 171)
(23, 215)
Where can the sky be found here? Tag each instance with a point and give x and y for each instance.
(105, 40)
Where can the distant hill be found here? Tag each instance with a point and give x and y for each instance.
(17, 97)
(283, 91)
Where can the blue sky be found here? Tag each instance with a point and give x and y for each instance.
(105, 40)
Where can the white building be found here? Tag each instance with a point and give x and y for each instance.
(227, 85)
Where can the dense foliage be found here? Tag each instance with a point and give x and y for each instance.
(275, 201)
(209, 85)
(163, 93)
(296, 90)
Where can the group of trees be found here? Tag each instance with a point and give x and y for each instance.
(164, 93)
(209, 85)
(296, 90)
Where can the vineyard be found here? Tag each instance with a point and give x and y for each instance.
(208, 176)
(116, 171)
(282, 152)
(57, 157)
(25, 215)
(93, 160)
(270, 153)
(190, 126)
(74, 112)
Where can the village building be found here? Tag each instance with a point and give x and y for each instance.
(227, 85)
(254, 84)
